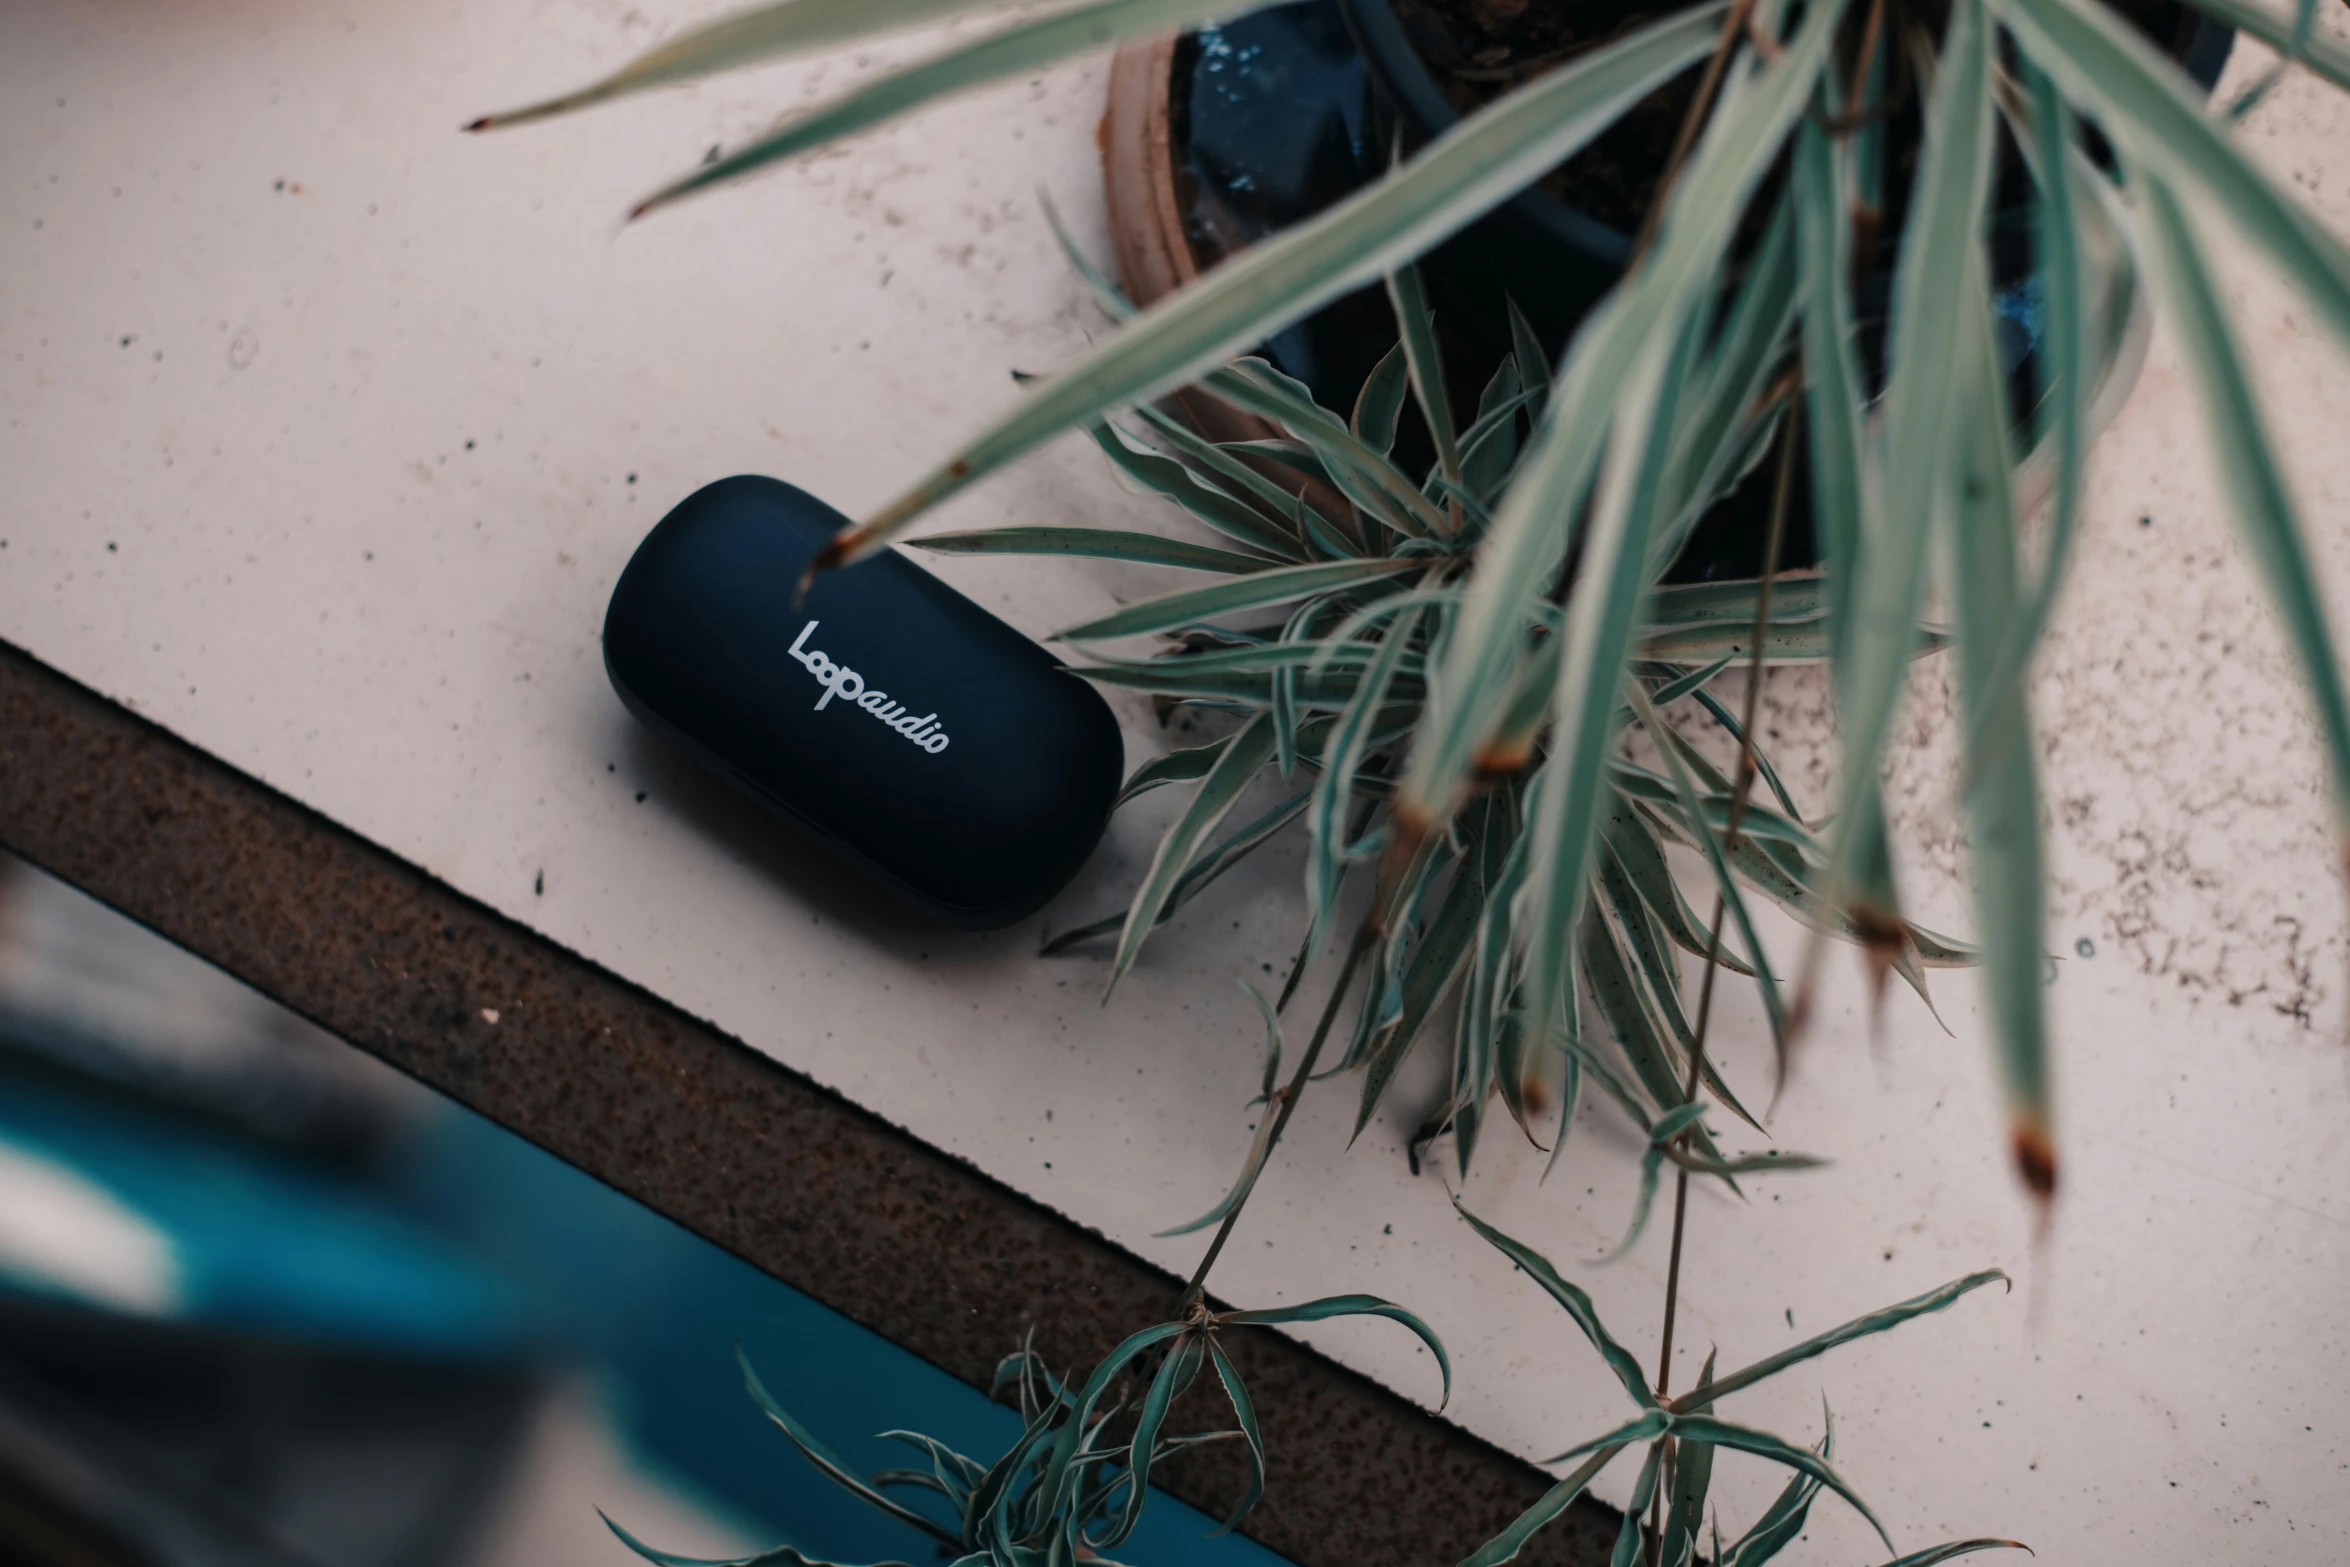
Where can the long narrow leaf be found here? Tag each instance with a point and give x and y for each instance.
(1489, 447)
(1726, 883)
(1016, 50)
(1795, 595)
(1505, 1546)
(1951, 1550)
(2064, 345)
(768, 32)
(1486, 1027)
(1218, 793)
(2002, 793)
(1820, 1343)
(1724, 1433)
(1693, 1468)
(1366, 477)
(1831, 373)
(2264, 510)
(1342, 759)
(1578, 1306)
(1783, 1520)
(1636, 849)
(1231, 472)
(780, 1556)
(1785, 642)
(1143, 1445)
(953, 1469)
(1752, 342)
(1526, 349)
(1243, 842)
(1436, 960)
(816, 1453)
(1477, 1065)
(2325, 57)
(1479, 163)
(1379, 405)
(1245, 1411)
(1615, 996)
(1942, 233)
(1645, 1427)
(1653, 965)
(1327, 691)
(1147, 549)
(1668, 1127)
(1351, 1306)
(1279, 585)
(1628, 1531)
(1162, 475)
(1528, 540)
(1249, 656)
(1058, 1475)
(1602, 619)
(1175, 767)
(1250, 1168)
(1418, 326)
(2147, 104)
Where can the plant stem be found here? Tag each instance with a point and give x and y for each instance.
(1734, 25)
(1288, 1097)
(1774, 544)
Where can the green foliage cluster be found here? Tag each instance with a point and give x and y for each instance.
(1074, 1484)
(1463, 680)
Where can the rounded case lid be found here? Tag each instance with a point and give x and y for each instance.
(927, 742)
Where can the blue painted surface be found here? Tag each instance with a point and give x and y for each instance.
(475, 1245)
(660, 1309)
(266, 1243)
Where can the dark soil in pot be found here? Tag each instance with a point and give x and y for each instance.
(1474, 51)
(1434, 61)
(1275, 115)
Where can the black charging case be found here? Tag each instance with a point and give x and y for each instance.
(928, 744)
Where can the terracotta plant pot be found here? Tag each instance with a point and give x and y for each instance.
(1146, 218)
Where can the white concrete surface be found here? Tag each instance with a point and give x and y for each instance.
(320, 422)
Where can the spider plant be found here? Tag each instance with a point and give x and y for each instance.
(1468, 681)
(1075, 1482)
(1462, 650)
(1315, 642)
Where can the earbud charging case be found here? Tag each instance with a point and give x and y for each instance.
(928, 744)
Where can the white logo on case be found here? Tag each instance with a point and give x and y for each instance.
(838, 680)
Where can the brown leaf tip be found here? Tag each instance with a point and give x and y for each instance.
(1799, 1009)
(2035, 1160)
(1882, 934)
(1498, 763)
(1409, 830)
(482, 123)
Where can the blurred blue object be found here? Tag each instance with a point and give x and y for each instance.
(286, 1305)
(659, 1308)
(257, 1241)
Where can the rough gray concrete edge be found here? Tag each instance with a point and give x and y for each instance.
(907, 1240)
